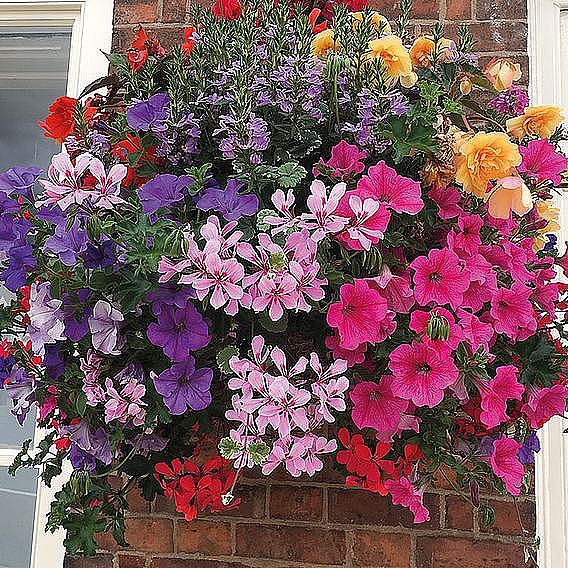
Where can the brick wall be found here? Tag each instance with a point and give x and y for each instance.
(291, 523)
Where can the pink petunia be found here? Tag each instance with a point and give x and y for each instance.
(357, 315)
(506, 465)
(477, 333)
(447, 199)
(468, 238)
(496, 393)
(542, 162)
(543, 404)
(421, 373)
(398, 193)
(404, 493)
(345, 161)
(352, 356)
(375, 406)
(512, 311)
(439, 278)
(396, 290)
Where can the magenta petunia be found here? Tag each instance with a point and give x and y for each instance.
(421, 373)
(496, 393)
(439, 277)
(543, 404)
(398, 193)
(512, 311)
(358, 314)
(345, 161)
(404, 493)
(448, 200)
(542, 162)
(375, 406)
(506, 465)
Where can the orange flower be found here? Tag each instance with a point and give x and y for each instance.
(502, 73)
(484, 157)
(511, 194)
(393, 54)
(378, 21)
(423, 48)
(540, 121)
(323, 43)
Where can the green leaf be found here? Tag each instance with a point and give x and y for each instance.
(274, 326)
(228, 448)
(290, 174)
(81, 404)
(223, 358)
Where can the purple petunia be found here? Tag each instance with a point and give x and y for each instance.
(162, 191)
(168, 296)
(95, 443)
(20, 181)
(46, 318)
(183, 387)
(20, 261)
(67, 243)
(100, 254)
(529, 448)
(229, 202)
(20, 389)
(179, 331)
(104, 324)
(150, 114)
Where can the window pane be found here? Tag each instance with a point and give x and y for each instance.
(17, 503)
(34, 64)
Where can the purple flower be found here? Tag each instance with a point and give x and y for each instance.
(6, 364)
(104, 325)
(76, 315)
(168, 295)
(8, 205)
(20, 261)
(20, 389)
(13, 231)
(53, 362)
(150, 114)
(229, 202)
(20, 180)
(150, 443)
(95, 443)
(179, 331)
(80, 459)
(100, 255)
(52, 213)
(183, 387)
(162, 191)
(512, 102)
(46, 318)
(67, 243)
(528, 449)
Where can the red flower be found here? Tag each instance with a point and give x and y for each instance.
(126, 148)
(316, 28)
(60, 122)
(136, 59)
(142, 47)
(189, 43)
(227, 9)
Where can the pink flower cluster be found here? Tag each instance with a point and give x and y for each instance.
(270, 276)
(283, 406)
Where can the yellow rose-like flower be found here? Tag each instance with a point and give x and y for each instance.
(393, 54)
(540, 121)
(547, 211)
(502, 73)
(423, 48)
(484, 157)
(378, 21)
(324, 42)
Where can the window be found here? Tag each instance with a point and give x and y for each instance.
(48, 48)
(548, 57)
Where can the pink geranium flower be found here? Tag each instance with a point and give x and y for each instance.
(512, 311)
(345, 161)
(542, 162)
(404, 493)
(506, 465)
(357, 315)
(543, 404)
(375, 406)
(496, 393)
(398, 193)
(421, 373)
(323, 219)
(439, 278)
(368, 220)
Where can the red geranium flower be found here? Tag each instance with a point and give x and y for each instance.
(60, 122)
(189, 43)
(227, 9)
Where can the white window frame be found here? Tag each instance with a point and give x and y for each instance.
(91, 25)
(548, 62)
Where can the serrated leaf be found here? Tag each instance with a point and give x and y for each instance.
(290, 175)
(223, 358)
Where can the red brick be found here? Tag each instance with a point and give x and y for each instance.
(436, 552)
(389, 8)
(105, 541)
(458, 9)
(501, 10)
(355, 506)
(135, 11)
(495, 36)
(193, 563)
(252, 505)
(150, 535)
(381, 550)
(174, 11)
(459, 513)
(131, 561)
(426, 9)
(298, 544)
(508, 520)
(205, 537)
(99, 561)
(137, 503)
(297, 503)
